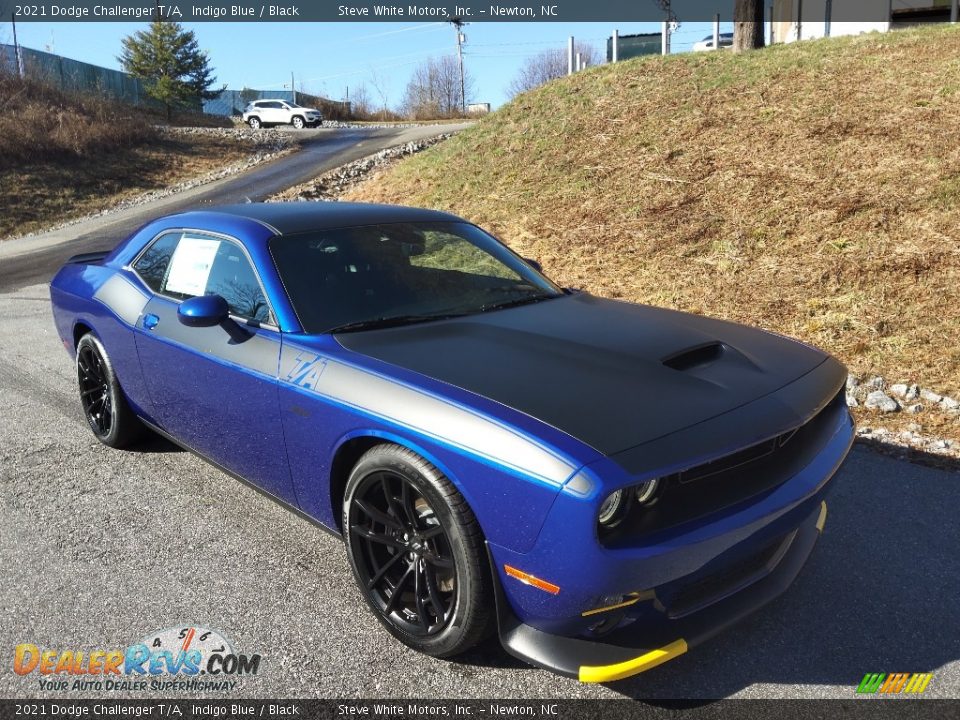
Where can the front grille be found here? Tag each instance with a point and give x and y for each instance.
(726, 481)
(732, 578)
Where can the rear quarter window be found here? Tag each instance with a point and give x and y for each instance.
(152, 265)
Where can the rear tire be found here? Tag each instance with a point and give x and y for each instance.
(104, 404)
(254, 122)
(417, 552)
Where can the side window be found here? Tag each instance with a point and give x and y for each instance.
(232, 278)
(184, 265)
(152, 265)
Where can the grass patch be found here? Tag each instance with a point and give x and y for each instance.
(65, 155)
(37, 195)
(809, 188)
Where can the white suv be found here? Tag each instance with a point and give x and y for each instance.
(260, 113)
(726, 41)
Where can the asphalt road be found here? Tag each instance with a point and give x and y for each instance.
(30, 260)
(100, 547)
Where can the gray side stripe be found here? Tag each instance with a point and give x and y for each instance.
(253, 348)
(426, 414)
(579, 485)
(123, 298)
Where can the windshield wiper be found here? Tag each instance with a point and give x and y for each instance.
(529, 300)
(390, 321)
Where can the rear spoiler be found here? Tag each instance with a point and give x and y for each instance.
(90, 258)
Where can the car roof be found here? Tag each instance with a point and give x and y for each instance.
(287, 218)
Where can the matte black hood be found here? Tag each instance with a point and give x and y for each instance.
(611, 374)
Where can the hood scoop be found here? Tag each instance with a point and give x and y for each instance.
(695, 357)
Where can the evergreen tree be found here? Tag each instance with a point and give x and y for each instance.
(169, 61)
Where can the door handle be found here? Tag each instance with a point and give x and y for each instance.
(150, 321)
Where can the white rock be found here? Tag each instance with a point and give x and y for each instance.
(879, 400)
(852, 401)
(899, 389)
(852, 382)
(912, 393)
(877, 383)
(930, 396)
(948, 403)
(914, 427)
(914, 409)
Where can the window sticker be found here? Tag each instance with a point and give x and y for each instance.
(190, 267)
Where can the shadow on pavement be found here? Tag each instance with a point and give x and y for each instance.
(881, 593)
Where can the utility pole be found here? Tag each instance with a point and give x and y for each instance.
(954, 10)
(716, 31)
(570, 56)
(458, 24)
(667, 27)
(16, 46)
(293, 88)
(615, 46)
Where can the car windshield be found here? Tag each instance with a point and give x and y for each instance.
(293, 104)
(359, 278)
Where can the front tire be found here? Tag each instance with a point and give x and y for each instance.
(254, 122)
(297, 122)
(417, 552)
(104, 405)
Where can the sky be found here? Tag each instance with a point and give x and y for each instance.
(332, 59)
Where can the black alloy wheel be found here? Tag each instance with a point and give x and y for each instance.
(104, 404)
(95, 389)
(417, 552)
(403, 554)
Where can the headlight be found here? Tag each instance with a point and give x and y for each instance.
(610, 509)
(644, 492)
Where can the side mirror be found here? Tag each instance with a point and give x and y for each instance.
(534, 264)
(203, 311)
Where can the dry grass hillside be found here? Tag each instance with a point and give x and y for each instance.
(813, 189)
(64, 155)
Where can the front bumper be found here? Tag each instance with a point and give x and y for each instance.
(612, 612)
(641, 646)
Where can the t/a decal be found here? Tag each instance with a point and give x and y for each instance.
(306, 371)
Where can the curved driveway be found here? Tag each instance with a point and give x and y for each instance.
(30, 260)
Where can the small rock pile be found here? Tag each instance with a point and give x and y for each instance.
(263, 140)
(375, 126)
(334, 183)
(875, 394)
(885, 400)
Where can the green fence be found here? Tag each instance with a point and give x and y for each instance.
(73, 75)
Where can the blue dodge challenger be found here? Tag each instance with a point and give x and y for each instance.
(602, 484)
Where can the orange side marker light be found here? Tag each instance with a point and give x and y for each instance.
(531, 580)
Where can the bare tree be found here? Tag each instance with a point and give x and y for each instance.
(547, 66)
(360, 105)
(434, 89)
(747, 25)
(379, 82)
